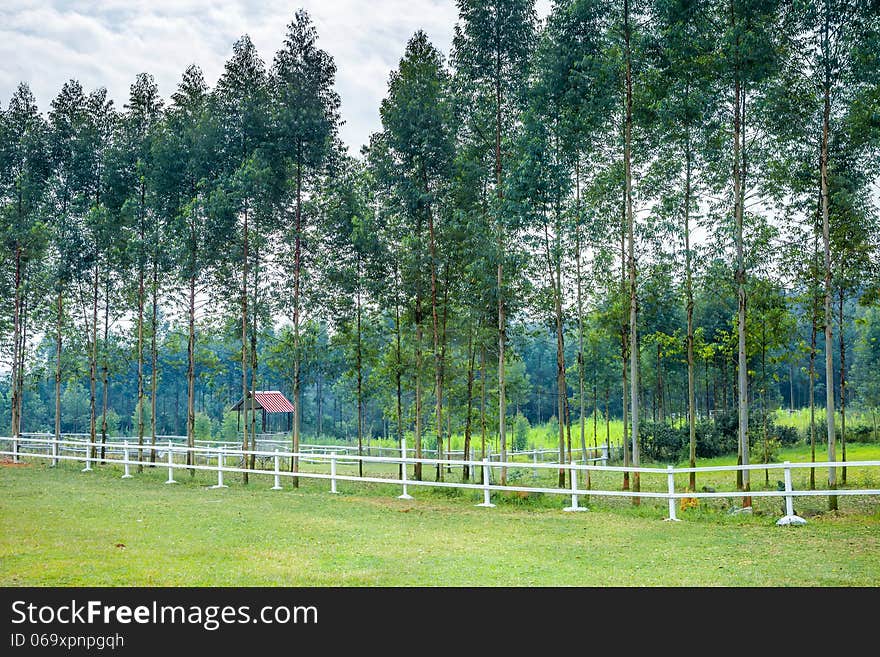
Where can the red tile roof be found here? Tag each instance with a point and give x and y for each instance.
(273, 401)
(270, 400)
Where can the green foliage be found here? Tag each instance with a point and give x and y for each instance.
(667, 443)
(113, 421)
(521, 428)
(202, 427)
(229, 428)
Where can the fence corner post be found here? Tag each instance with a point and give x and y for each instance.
(790, 517)
(670, 487)
(170, 465)
(277, 485)
(220, 483)
(88, 448)
(405, 495)
(487, 499)
(125, 460)
(574, 495)
(333, 472)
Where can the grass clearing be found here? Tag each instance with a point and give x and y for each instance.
(62, 527)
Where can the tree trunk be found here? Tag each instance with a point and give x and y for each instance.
(297, 266)
(254, 354)
(417, 470)
(826, 242)
(443, 320)
(191, 372)
(482, 401)
(360, 384)
(105, 365)
(842, 391)
(140, 339)
(813, 331)
(244, 347)
(398, 375)
(58, 344)
(742, 365)
(93, 368)
(633, 300)
(580, 307)
(438, 365)
(191, 346)
(623, 351)
(689, 307)
(154, 356)
(465, 475)
(502, 402)
(764, 400)
(16, 335)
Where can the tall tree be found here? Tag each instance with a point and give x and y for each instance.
(491, 48)
(416, 129)
(307, 118)
(240, 101)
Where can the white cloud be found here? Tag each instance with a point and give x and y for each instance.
(108, 43)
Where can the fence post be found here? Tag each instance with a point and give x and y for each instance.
(487, 501)
(15, 448)
(670, 487)
(405, 496)
(127, 474)
(277, 485)
(333, 472)
(790, 518)
(574, 496)
(535, 461)
(88, 467)
(220, 483)
(170, 465)
(54, 451)
(605, 456)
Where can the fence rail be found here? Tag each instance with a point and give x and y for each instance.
(214, 458)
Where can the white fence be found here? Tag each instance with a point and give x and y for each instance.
(214, 458)
(271, 442)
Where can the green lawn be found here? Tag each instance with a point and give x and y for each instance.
(62, 527)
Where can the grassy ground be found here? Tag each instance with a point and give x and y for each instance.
(62, 527)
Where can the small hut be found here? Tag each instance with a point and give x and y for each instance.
(270, 402)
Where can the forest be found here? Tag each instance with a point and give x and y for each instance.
(661, 212)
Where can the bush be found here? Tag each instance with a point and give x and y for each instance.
(785, 435)
(202, 428)
(667, 444)
(662, 442)
(112, 422)
(229, 429)
(521, 428)
(860, 434)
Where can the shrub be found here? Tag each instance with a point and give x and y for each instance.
(662, 442)
(667, 444)
(860, 434)
(202, 428)
(521, 428)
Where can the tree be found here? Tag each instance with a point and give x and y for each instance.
(306, 108)
(239, 105)
(24, 172)
(491, 50)
(419, 154)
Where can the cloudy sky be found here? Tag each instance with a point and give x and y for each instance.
(107, 43)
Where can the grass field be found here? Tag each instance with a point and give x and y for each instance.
(62, 527)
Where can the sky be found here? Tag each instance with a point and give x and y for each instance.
(45, 43)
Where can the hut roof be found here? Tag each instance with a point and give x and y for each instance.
(271, 401)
